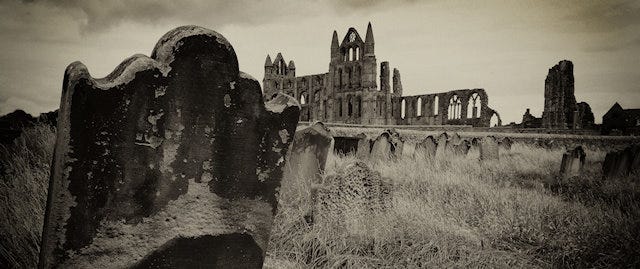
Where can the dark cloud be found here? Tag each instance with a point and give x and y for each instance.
(98, 15)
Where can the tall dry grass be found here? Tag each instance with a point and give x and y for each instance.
(461, 213)
(456, 212)
(23, 194)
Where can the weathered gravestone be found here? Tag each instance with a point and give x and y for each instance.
(387, 145)
(475, 142)
(622, 163)
(355, 189)
(455, 139)
(171, 161)
(462, 148)
(427, 146)
(305, 164)
(505, 143)
(488, 148)
(364, 146)
(572, 162)
(441, 148)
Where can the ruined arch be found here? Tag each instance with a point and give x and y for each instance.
(357, 53)
(340, 78)
(340, 107)
(455, 107)
(349, 77)
(495, 119)
(419, 107)
(474, 106)
(303, 98)
(359, 106)
(350, 54)
(349, 106)
(403, 107)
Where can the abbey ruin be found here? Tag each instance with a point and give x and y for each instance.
(349, 91)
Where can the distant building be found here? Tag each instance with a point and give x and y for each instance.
(621, 121)
(530, 121)
(352, 91)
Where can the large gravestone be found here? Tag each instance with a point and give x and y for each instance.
(455, 139)
(622, 163)
(488, 148)
(171, 161)
(305, 164)
(572, 162)
(427, 146)
(442, 142)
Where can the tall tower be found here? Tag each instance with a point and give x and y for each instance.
(369, 58)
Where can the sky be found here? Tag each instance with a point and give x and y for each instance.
(505, 47)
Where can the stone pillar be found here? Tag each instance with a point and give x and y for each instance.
(170, 161)
(572, 162)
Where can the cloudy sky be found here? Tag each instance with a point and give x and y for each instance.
(505, 47)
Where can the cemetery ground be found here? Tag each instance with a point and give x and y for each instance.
(452, 212)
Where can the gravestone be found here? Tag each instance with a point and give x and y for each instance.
(455, 139)
(488, 148)
(171, 161)
(572, 162)
(427, 146)
(387, 145)
(506, 143)
(441, 148)
(622, 163)
(364, 147)
(357, 189)
(462, 148)
(305, 166)
(475, 142)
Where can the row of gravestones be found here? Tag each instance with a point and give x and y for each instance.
(616, 163)
(390, 144)
(175, 161)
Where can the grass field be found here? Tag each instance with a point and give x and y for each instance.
(455, 212)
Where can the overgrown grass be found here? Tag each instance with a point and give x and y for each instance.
(458, 212)
(23, 194)
(455, 212)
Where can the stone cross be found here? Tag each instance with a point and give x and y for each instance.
(170, 161)
(572, 162)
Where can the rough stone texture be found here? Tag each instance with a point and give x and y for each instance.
(364, 146)
(349, 92)
(505, 143)
(388, 145)
(572, 162)
(462, 148)
(488, 148)
(441, 149)
(172, 160)
(622, 163)
(427, 146)
(561, 110)
(355, 190)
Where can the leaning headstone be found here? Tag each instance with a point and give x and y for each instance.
(171, 161)
(488, 148)
(506, 143)
(462, 148)
(572, 162)
(305, 166)
(622, 163)
(442, 145)
(427, 146)
(455, 139)
(364, 147)
(387, 145)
